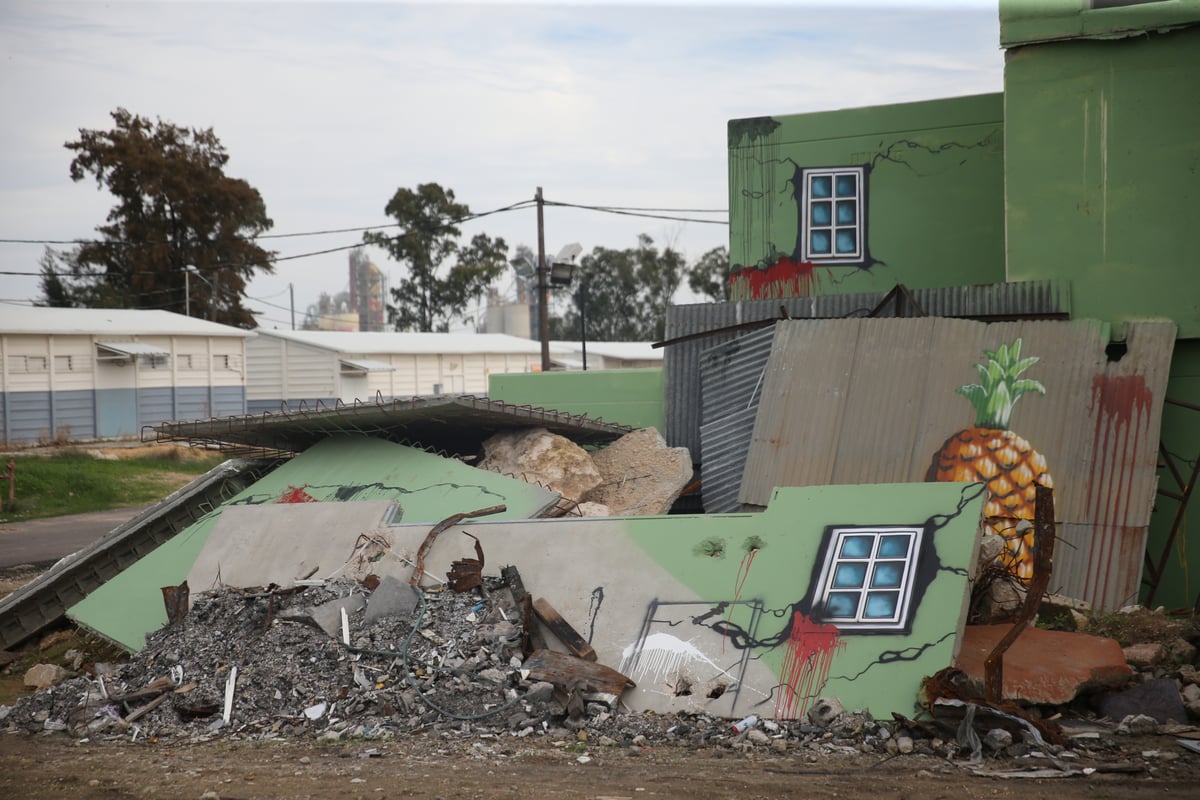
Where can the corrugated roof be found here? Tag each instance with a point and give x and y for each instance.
(873, 401)
(365, 365)
(732, 374)
(681, 366)
(456, 425)
(626, 351)
(110, 322)
(132, 349)
(357, 342)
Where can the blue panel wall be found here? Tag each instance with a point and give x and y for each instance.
(193, 402)
(116, 413)
(228, 401)
(75, 414)
(27, 417)
(155, 405)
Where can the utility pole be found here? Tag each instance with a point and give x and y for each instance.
(292, 295)
(187, 292)
(543, 285)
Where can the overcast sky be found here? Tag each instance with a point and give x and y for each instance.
(328, 108)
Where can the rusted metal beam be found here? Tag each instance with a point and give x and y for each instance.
(1177, 523)
(446, 524)
(1043, 555)
(563, 630)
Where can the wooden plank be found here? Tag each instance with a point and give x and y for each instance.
(563, 630)
(570, 672)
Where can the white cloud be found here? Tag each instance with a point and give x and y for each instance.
(328, 108)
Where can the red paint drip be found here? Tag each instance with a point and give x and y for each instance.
(1121, 408)
(743, 573)
(810, 651)
(296, 494)
(784, 278)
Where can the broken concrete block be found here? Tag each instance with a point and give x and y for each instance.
(1182, 651)
(1138, 725)
(42, 676)
(1158, 699)
(1063, 613)
(826, 711)
(1145, 654)
(328, 616)
(1045, 667)
(392, 598)
(537, 456)
(589, 509)
(642, 476)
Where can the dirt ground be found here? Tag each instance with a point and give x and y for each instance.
(430, 766)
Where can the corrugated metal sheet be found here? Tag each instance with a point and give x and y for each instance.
(873, 401)
(681, 365)
(732, 375)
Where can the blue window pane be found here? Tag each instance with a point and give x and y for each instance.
(847, 185)
(821, 214)
(822, 186)
(856, 547)
(819, 242)
(846, 212)
(887, 575)
(846, 241)
(842, 604)
(893, 547)
(850, 576)
(881, 605)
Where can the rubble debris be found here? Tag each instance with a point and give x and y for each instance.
(641, 475)
(1045, 667)
(444, 525)
(537, 456)
(391, 597)
(44, 675)
(1159, 699)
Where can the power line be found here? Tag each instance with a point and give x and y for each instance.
(614, 210)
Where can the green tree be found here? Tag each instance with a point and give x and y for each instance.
(441, 275)
(624, 293)
(709, 276)
(175, 208)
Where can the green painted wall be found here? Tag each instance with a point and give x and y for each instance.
(631, 397)
(718, 564)
(428, 488)
(1026, 21)
(934, 191)
(1180, 586)
(1103, 173)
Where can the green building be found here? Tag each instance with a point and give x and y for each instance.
(1086, 170)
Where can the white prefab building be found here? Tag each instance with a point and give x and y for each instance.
(606, 355)
(97, 373)
(289, 367)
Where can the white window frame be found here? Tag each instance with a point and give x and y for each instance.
(833, 557)
(858, 256)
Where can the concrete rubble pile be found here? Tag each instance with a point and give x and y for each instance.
(273, 664)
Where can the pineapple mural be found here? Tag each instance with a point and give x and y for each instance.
(992, 454)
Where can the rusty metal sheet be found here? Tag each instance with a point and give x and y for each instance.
(681, 362)
(859, 401)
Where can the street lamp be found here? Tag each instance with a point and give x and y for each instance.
(188, 271)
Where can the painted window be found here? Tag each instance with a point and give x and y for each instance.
(833, 226)
(231, 362)
(867, 578)
(27, 364)
(64, 364)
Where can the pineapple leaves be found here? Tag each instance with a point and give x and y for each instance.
(1000, 385)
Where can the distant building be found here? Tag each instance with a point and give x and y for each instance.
(287, 367)
(82, 373)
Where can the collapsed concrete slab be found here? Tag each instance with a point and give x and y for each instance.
(847, 592)
(339, 469)
(1045, 667)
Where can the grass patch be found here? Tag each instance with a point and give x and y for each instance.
(75, 482)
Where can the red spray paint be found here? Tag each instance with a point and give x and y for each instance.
(296, 494)
(810, 651)
(784, 278)
(743, 573)
(1121, 408)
